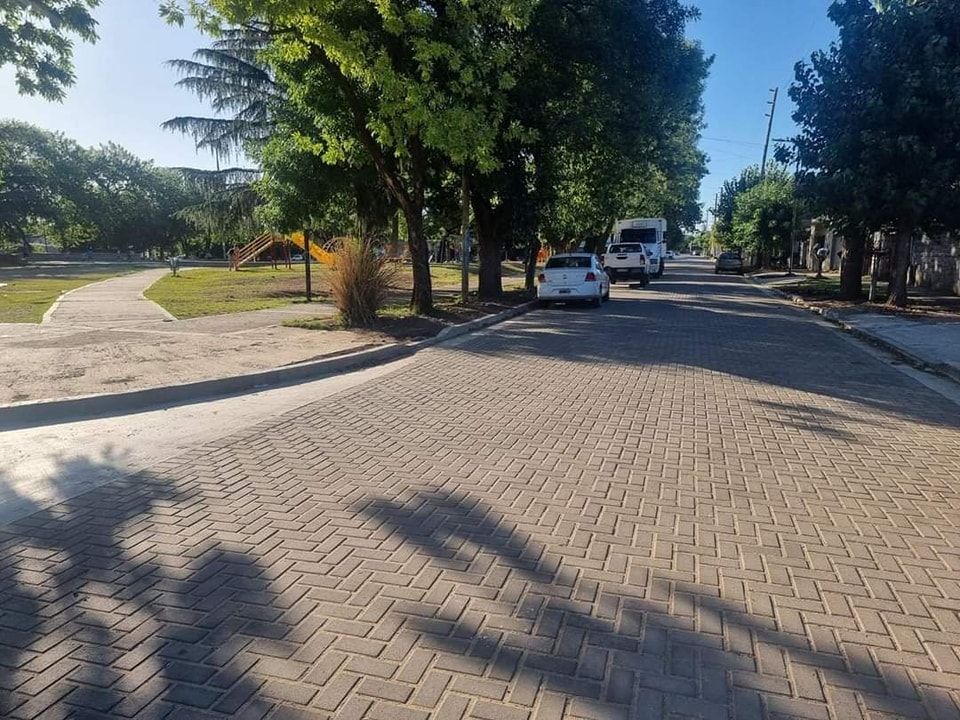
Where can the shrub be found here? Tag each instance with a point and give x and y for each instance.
(361, 281)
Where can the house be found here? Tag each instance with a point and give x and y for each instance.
(935, 263)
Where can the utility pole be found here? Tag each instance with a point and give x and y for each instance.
(713, 234)
(766, 144)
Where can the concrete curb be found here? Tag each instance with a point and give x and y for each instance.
(482, 322)
(903, 353)
(899, 351)
(50, 412)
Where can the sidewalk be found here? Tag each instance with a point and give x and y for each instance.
(933, 342)
(109, 303)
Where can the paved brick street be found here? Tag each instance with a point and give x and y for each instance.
(694, 502)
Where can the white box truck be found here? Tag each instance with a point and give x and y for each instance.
(651, 233)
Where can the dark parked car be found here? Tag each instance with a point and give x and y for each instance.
(729, 262)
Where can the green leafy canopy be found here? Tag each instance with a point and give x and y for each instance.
(36, 39)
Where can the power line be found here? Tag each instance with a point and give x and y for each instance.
(733, 142)
(766, 144)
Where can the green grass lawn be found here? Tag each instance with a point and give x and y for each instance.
(447, 275)
(213, 291)
(26, 299)
(828, 287)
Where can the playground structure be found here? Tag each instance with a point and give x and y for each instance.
(278, 246)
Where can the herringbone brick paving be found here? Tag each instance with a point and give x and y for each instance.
(693, 503)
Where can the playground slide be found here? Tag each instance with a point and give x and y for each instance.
(316, 251)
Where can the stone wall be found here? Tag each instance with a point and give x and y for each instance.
(937, 263)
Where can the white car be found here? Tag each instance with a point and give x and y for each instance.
(670, 255)
(571, 277)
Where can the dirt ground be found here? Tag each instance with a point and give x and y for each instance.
(42, 362)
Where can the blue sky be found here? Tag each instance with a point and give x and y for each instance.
(756, 44)
(124, 91)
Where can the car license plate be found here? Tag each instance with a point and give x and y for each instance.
(564, 292)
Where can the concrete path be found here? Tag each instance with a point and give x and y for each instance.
(110, 303)
(693, 502)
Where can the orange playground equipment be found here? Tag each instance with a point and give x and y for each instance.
(279, 247)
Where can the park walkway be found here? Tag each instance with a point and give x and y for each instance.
(118, 301)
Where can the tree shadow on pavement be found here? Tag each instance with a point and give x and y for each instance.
(127, 601)
(530, 630)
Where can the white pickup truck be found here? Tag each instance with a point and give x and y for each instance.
(651, 233)
(627, 261)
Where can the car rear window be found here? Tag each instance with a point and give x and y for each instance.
(616, 249)
(729, 256)
(568, 262)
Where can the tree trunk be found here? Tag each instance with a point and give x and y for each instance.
(465, 238)
(421, 300)
(899, 266)
(491, 285)
(530, 262)
(395, 234)
(851, 274)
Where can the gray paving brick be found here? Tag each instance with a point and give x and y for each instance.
(192, 695)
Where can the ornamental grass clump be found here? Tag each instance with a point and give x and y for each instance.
(361, 281)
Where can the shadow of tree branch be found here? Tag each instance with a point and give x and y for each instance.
(647, 647)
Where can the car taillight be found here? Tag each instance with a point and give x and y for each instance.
(542, 277)
(591, 277)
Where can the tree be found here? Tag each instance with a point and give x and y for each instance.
(763, 215)
(415, 84)
(879, 115)
(613, 128)
(43, 180)
(104, 197)
(727, 203)
(317, 174)
(223, 206)
(35, 39)
(233, 76)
